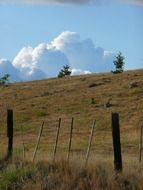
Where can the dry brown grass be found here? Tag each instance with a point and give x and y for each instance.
(47, 100)
(69, 176)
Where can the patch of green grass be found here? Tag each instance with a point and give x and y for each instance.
(12, 177)
(93, 101)
(22, 117)
(41, 113)
(137, 91)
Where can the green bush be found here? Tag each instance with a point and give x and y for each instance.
(64, 72)
(5, 79)
(119, 63)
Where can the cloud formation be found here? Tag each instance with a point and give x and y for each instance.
(39, 62)
(47, 59)
(79, 72)
(82, 54)
(74, 2)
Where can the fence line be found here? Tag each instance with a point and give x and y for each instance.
(115, 136)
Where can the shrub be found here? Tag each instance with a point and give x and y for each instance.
(64, 72)
(119, 63)
(5, 79)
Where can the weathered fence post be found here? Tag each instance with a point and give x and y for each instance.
(56, 142)
(9, 134)
(23, 145)
(70, 139)
(38, 141)
(89, 144)
(140, 145)
(116, 142)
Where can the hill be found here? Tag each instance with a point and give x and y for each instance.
(85, 98)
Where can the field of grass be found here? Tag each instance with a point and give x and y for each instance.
(85, 98)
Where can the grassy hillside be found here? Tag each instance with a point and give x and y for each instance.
(85, 98)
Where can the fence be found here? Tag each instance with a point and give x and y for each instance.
(115, 137)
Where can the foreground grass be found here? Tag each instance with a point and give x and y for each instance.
(68, 176)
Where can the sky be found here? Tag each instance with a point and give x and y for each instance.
(38, 37)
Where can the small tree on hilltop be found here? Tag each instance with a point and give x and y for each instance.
(5, 79)
(64, 72)
(119, 63)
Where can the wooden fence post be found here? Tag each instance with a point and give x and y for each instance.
(38, 141)
(70, 139)
(116, 142)
(140, 145)
(9, 134)
(23, 145)
(57, 137)
(89, 144)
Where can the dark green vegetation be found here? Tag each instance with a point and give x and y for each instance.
(119, 63)
(4, 79)
(64, 72)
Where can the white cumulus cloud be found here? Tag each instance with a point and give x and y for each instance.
(67, 48)
(47, 59)
(79, 72)
(82, 54)
(42, 60)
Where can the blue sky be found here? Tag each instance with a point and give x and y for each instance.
(112, 26)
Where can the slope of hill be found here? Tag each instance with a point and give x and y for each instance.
(85, 98)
